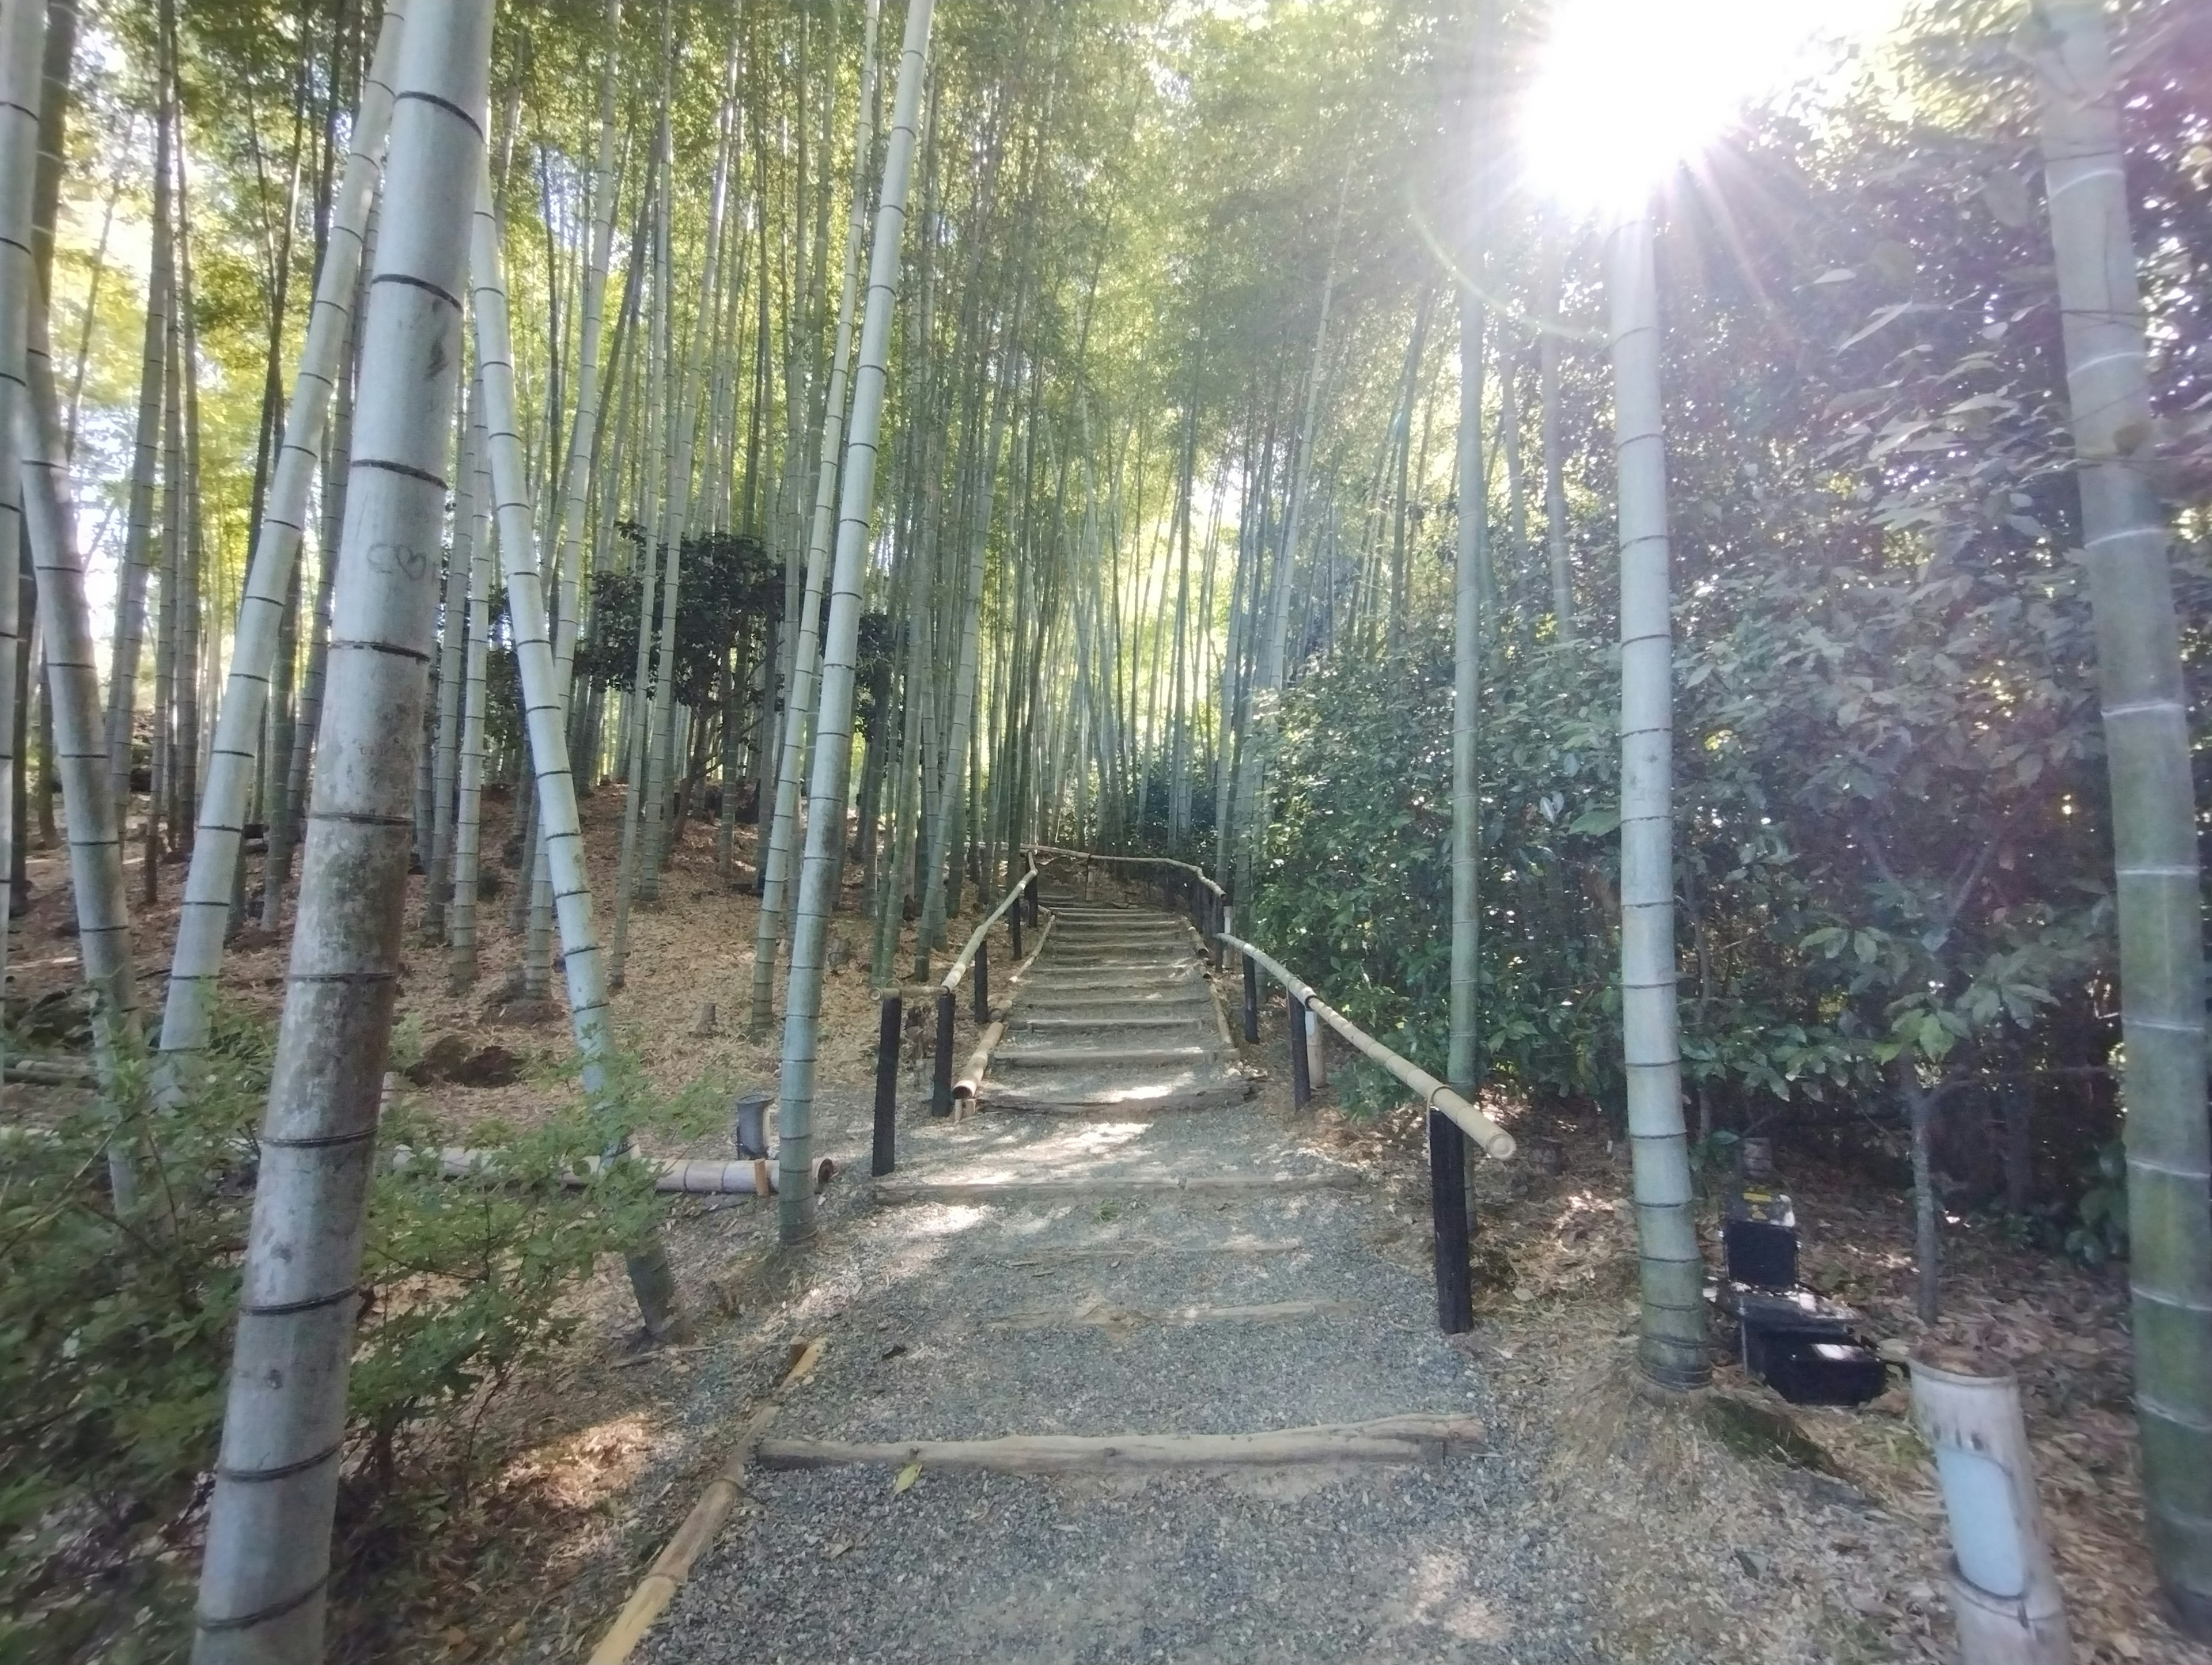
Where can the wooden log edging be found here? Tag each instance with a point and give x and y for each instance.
(1491, 1139)
(673, 1564)
(1389, 1439)
(894, 1192)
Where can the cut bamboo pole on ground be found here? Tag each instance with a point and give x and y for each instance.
(683, 1175)
(1391, 1439)
(673, 1564)
(968, 1086)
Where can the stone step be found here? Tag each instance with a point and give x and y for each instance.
(1016, 1057)
(1135, 1093)
(1024, 1020)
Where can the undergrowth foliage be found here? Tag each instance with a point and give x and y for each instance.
(115, 1336)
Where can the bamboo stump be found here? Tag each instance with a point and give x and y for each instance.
(2003, 1593)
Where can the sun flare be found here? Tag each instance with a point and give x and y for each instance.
(1627, 90)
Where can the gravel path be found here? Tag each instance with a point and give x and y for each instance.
(1096, 1315)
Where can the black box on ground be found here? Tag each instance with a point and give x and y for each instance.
(1805, 1371)
(1759, 1239)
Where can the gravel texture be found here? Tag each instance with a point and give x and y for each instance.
(1094, 1316)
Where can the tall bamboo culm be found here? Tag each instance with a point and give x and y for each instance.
(96, 844)
(22, 42)
(562, 839)
(1671, 1272)
(2145, 701)
(197, 961)
(145, 461)
(833, 747)
(470, 504)
(262, 1586)
(799, 706)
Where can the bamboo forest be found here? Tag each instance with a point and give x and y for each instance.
(1242, 830)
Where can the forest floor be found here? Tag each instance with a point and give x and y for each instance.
(1594, 1524)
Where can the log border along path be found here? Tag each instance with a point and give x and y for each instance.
(1118, 1370)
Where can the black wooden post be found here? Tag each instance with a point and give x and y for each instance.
(1251, 998)
(1301, 1065)
(1448, 1204)
(982, 1000)
(940, 1085)
(1014, 928)
(885, 1152)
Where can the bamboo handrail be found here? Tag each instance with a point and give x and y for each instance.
(1493, 1140)
(951, 981)
(1036, 850)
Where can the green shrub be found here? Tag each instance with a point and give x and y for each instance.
(115, 1339)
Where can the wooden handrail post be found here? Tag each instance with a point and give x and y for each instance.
(1448, 1207)
(940, 1085)
(1014, 929)
(1294, 1012)
(884, 1155)
(1251, 1000)
(982, 995)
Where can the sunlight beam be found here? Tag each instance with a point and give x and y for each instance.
(1628, 90)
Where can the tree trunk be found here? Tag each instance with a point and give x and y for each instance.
(660, 773)
(798, 707)
(833, 746)
(452, 649)
(73, 687)
(2147, 746)
(1555, 487)
(263, 1584)
(468, 812)
(22, 43)
(1673, 1351)
(198, 960)
(138, 538)
(650, 1278)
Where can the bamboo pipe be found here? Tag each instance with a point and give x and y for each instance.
(951, 981)
(685, 1176)
(1494, 1140)
(1036, 850)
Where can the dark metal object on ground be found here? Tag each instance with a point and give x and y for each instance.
(884, 1155)
(1759, 1239)
(1448, 1205)
(940, 1081)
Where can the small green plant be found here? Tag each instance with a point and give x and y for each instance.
(115, 1331)
(2101, 1234)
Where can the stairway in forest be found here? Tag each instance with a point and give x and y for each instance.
(1115, 1015)
(1130, 1366)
